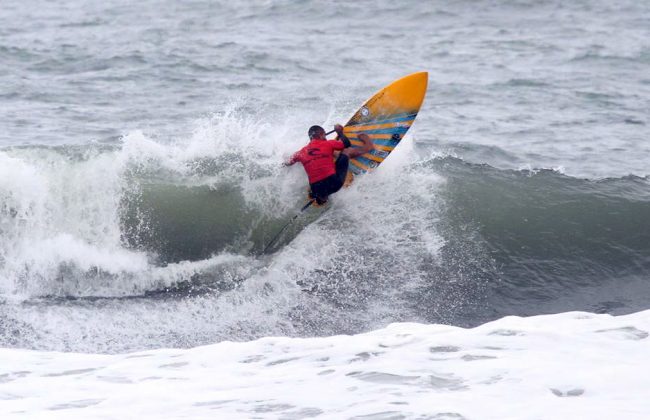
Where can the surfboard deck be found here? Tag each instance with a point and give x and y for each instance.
(385, 118)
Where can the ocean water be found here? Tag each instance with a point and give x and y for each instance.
(140, 181)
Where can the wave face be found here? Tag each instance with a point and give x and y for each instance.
(148, 243)
(555, 241)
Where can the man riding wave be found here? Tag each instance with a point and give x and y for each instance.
(327, 176)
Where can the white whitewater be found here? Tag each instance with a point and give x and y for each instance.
(566, 366)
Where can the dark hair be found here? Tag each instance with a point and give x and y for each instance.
(315, 130)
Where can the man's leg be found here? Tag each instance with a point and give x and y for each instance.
(321, 190)
(342, 164)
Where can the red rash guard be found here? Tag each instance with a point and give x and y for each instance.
(318, 158)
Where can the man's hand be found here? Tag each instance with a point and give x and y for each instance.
(341, 136)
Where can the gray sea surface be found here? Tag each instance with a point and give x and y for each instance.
(539, 84)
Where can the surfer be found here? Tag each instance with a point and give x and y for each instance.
(327, 176)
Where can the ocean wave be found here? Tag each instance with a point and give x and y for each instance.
(142, 221)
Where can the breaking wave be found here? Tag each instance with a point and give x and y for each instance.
(167, 235)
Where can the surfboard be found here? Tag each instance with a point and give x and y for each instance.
(385, 117)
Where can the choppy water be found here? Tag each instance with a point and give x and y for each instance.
(140, 178)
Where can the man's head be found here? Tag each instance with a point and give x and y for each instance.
(316, 132)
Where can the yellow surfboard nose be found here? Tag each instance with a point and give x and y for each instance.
(405, 94)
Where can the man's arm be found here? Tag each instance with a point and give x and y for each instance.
(293, 159)
(341, 136)
(368, 145)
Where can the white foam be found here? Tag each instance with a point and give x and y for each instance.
(572, 365)
(61, 207)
